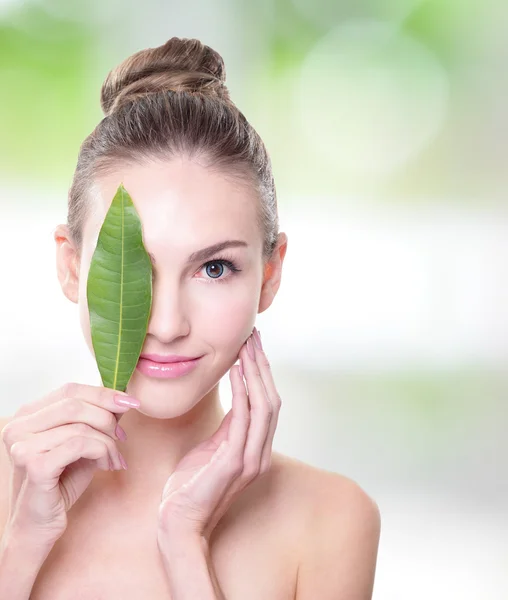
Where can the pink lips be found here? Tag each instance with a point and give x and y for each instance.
(168, 358)
(163, 367)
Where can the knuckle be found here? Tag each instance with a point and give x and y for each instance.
(251, 470)
(8, 435)
(69, 389)
(18, 452)
(81, 428)
(276, 402)
(73, 408)
(105, 395)
(109, 422)
(236, 467)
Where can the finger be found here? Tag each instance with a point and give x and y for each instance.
(45, 441)
(237, 485)
(62, 412)
(260, 409)
(222, 431)
(206, 488)
(240, 417)
(98, 395)
(50, 465)
(275, 401)
(23, 456)
(240, 407)
(209, 485)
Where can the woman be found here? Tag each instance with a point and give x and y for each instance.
(198, 505)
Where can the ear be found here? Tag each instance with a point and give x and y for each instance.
(67, 263)
(273, 273)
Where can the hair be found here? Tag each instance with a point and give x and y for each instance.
(168, 101)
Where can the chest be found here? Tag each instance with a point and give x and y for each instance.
(248, 564)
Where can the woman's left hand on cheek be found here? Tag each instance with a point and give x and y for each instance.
(209, 477)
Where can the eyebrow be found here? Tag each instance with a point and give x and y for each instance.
(201, 255)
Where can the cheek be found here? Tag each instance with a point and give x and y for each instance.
(227, 318)
(224, 317)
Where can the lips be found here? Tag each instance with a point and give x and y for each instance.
(168, 358)
(165, 370)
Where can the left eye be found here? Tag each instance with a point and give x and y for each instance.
(215, 268)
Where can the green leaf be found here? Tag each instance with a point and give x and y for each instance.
(119, 292)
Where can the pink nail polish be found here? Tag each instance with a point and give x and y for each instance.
(257, 339)
(126, 401)
(250, 349)
(120, 433)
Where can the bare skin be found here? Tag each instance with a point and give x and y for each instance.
(266, 543)
(252, 548)
(258, 549)
(183, 208)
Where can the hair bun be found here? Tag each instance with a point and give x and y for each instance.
(181, 65)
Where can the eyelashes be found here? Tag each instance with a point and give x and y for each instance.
(227, 261)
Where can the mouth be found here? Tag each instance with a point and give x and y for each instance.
(167, 358)
(168, 369)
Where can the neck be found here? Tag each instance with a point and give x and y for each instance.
(154, 446)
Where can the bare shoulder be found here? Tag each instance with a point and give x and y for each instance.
(292, 498)
(319, 497)
(339, 531)
(321, 490)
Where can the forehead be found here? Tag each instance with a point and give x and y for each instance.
(180, 203)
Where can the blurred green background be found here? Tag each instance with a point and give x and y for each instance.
(387, 126)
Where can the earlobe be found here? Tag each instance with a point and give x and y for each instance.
(266, 296)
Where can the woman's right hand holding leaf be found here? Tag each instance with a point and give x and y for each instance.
(55, 445)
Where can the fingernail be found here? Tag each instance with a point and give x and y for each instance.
(120, 433)
(250, 349)
(122, 460)
(126, 401)
(257, 339)
(240, 367)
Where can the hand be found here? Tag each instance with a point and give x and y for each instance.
(209, 477)
(55, 445)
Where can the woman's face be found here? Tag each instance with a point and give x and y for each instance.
(197, 310)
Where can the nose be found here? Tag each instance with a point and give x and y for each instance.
(168, 319)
